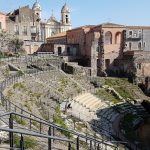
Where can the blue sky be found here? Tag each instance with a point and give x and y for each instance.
(86, 12)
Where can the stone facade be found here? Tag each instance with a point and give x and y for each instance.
(106, 49)
(25, 23)
(137, 38)
(2, 21)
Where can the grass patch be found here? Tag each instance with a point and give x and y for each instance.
(19, 86)
(102, 93)
(123, 92)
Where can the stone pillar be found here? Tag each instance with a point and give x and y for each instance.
(93, 59)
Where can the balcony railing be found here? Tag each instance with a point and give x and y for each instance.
(134, 37)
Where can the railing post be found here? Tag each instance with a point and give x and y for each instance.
(11, 133)
(90, 144)
(77, 143)
(69, 146)
(30, 122)
(53, 132)
(49, 140)
(40, 127)
(21, 143)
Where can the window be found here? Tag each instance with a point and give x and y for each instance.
(59, 51)
(25, 30)
(135, 35)
(144, 44)
(67, 20)
(108, 38)
(140, 46)
(0, 25)
(16, 29)
(130, 33)
(68, 51)
(130, 46)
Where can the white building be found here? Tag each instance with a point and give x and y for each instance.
(53, 26)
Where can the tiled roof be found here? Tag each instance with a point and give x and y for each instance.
(137, 27)
(108, 24)
(58, 35)
(86, 26)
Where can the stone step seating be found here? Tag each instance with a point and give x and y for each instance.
(140, 108)
(103, 128)
(109, 114)
(125, 108)
(81, 112)
(89, 101)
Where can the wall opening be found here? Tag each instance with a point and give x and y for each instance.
(59, 50)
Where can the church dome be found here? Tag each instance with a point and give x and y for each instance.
(36, 6)
(65, 8)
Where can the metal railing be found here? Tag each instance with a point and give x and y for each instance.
(93, 143)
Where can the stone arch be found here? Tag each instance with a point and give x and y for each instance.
(118, 38)
(108, 37)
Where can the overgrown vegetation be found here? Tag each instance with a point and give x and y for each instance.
(60, 121)
(102, 93)
(19, 120)
(29, 142)
(122, 86)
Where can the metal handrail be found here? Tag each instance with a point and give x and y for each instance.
(35, 134)
(69, 131)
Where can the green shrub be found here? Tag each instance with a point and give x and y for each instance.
(29, 142)
(19, 120)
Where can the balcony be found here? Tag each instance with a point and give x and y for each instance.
(134, 37)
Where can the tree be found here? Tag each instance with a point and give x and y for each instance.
(5, 39)
(16, 45)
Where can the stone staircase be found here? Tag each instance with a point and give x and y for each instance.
(89, 101)
(85, 105)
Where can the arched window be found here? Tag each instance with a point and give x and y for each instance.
(118, 38)
(130, 46)
(140, 46)
(67, 20)
(108, 38)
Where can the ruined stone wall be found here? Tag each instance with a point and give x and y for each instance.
(3, 21)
